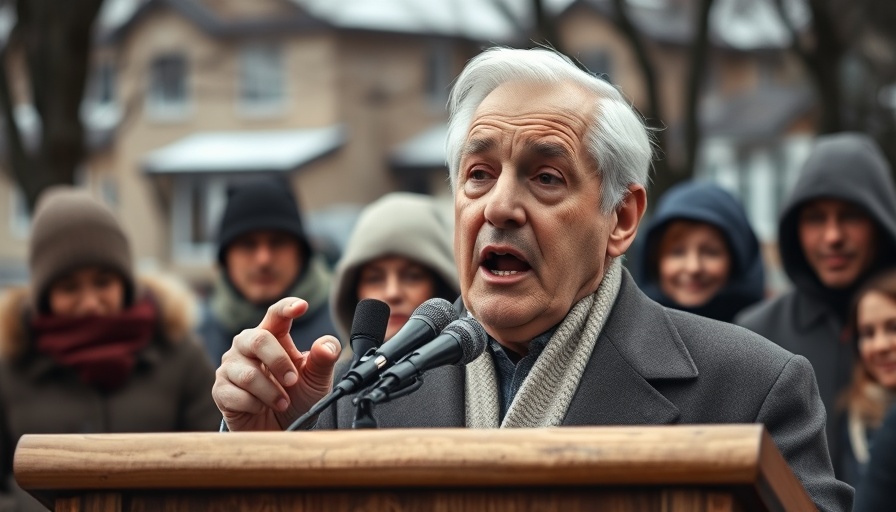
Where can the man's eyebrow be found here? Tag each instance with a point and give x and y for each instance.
(549, 149)
(478, 146)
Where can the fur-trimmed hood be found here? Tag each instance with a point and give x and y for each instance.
(176, 303)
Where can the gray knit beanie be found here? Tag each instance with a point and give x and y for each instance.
(398, 224)
(72, 230)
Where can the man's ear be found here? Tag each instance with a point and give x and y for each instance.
(628, 217)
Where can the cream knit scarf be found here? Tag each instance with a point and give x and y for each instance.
(545, 395)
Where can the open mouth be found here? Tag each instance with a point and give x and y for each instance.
(504, 264)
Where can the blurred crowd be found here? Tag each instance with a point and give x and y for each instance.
(90, 346)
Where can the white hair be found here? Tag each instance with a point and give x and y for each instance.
(617, 138)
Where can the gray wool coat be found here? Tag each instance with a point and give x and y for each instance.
(656, 366)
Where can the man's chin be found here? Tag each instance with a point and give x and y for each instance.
(839, 280)
(497, 314)
(264, 298)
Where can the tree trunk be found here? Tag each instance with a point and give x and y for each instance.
(55, 39)
(821, 61)
(664, 176)
(699, 49)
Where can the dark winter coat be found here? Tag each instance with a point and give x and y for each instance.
(169, 390)
(877, 491)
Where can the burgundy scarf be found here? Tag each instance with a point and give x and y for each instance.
(101, 350)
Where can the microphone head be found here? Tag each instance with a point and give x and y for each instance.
(371, 319)
(437, 312)
(472, 338)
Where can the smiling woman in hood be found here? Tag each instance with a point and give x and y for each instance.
(700, 254)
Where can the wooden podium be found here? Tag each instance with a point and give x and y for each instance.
(675, 468)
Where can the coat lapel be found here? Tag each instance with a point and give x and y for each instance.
(638, 344)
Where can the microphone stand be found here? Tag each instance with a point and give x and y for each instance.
(364, 403)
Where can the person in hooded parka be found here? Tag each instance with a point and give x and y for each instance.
(837, 229)
(700, 254)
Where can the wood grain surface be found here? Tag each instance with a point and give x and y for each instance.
(369, 461)
(720, 454)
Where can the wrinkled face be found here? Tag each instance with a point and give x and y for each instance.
(262, 265)
(837, 238)
(694, 263)
(90, 291)
(399, 282)
(876, 322)
(530, 240)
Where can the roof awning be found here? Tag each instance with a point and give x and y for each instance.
(424, 151)
(244, 151)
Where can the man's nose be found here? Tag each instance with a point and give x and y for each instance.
(263, 254)
(833, 230)
(504, 208)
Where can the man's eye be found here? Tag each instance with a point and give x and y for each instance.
(548, 179)
(478, 174)
(813, 218)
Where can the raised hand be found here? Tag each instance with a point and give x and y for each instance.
(264, 382)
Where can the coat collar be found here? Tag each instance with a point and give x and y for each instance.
(639, 344)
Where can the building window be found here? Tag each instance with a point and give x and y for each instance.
(19, 216)
(196, 209)
(262, 80)
(438, 74)
(102, 84)
(168, 86)
(109, 192)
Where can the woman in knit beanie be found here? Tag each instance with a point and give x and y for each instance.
(400, 253)
(87, 347)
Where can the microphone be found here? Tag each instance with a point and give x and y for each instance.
(459, 344)
(368, 327)
(425, 323)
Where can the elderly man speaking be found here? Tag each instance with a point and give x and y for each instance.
(549, 167)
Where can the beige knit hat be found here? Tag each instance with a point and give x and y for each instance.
(398, 224)
(72, 230)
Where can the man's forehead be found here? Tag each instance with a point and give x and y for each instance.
(827, 202)
(526, 97)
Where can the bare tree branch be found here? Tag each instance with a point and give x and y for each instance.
(663, 176)
(699, 49)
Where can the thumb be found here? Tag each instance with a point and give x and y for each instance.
(319, 362)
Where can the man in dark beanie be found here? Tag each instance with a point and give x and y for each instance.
(264, 255)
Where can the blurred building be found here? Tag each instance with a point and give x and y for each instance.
(189, 96)
(756, 111)
(347, 98)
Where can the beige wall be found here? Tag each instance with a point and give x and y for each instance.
(243, 9)
(213, 71)
(13, 245)
(583, 29)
